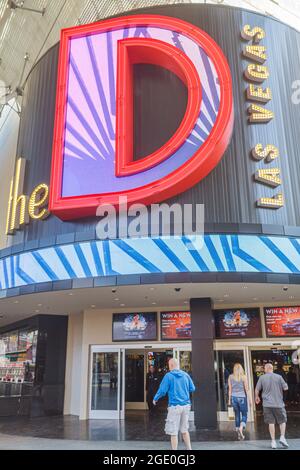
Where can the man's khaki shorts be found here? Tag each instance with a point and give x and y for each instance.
(177, 420)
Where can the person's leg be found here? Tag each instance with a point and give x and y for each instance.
(244, 413)
(237, 413)
(282, 420)
(282, 439)
(187, 440)
(239, 421)
(172, 425)
(282, 429)
(184, 426)
(174, 442)
(150, 402)
(273, 437)
(272, 431)
(270, 420)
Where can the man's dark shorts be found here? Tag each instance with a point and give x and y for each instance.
(275, 415)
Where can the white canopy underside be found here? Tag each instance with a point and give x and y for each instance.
(30, 34)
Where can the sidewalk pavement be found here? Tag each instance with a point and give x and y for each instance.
(30, 443)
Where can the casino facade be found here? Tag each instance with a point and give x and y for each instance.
(175, 105)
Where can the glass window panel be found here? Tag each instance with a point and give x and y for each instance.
(17, 362)
(134, 378)
(105, 381)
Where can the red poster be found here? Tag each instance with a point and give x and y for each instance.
(176, 325)
(282, 321)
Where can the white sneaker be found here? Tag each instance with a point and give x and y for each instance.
(274, 445)
(283, 442)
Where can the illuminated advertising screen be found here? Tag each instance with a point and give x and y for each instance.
(282, 321)
(239, 323)
(175, 325)
(134, 327)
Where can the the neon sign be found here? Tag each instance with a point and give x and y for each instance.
(256, 74)
(93, 138)
(21, 208)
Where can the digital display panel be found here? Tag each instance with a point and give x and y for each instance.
(238, 323)
(282, 321)
(134, 327)
(175, 325)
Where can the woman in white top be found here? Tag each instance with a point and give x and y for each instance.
(239, 396)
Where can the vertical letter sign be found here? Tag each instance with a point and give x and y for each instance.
(93, 137)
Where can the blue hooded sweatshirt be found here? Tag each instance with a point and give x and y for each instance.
(178, 385)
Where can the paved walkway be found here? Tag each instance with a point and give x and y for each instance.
(31, 443)
(138, 426)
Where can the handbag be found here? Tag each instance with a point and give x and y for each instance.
(231, 413)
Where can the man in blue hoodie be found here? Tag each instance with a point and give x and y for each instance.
(178, 385)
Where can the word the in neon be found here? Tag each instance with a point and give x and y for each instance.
(22, 208)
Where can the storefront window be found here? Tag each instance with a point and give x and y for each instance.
(17, 362)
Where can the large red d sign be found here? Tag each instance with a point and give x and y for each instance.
(93, 139)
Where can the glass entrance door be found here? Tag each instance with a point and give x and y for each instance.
(135, 380)
(224, 363)
(158, 360)
(106, 385)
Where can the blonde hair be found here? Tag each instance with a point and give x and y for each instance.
(238, 372)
